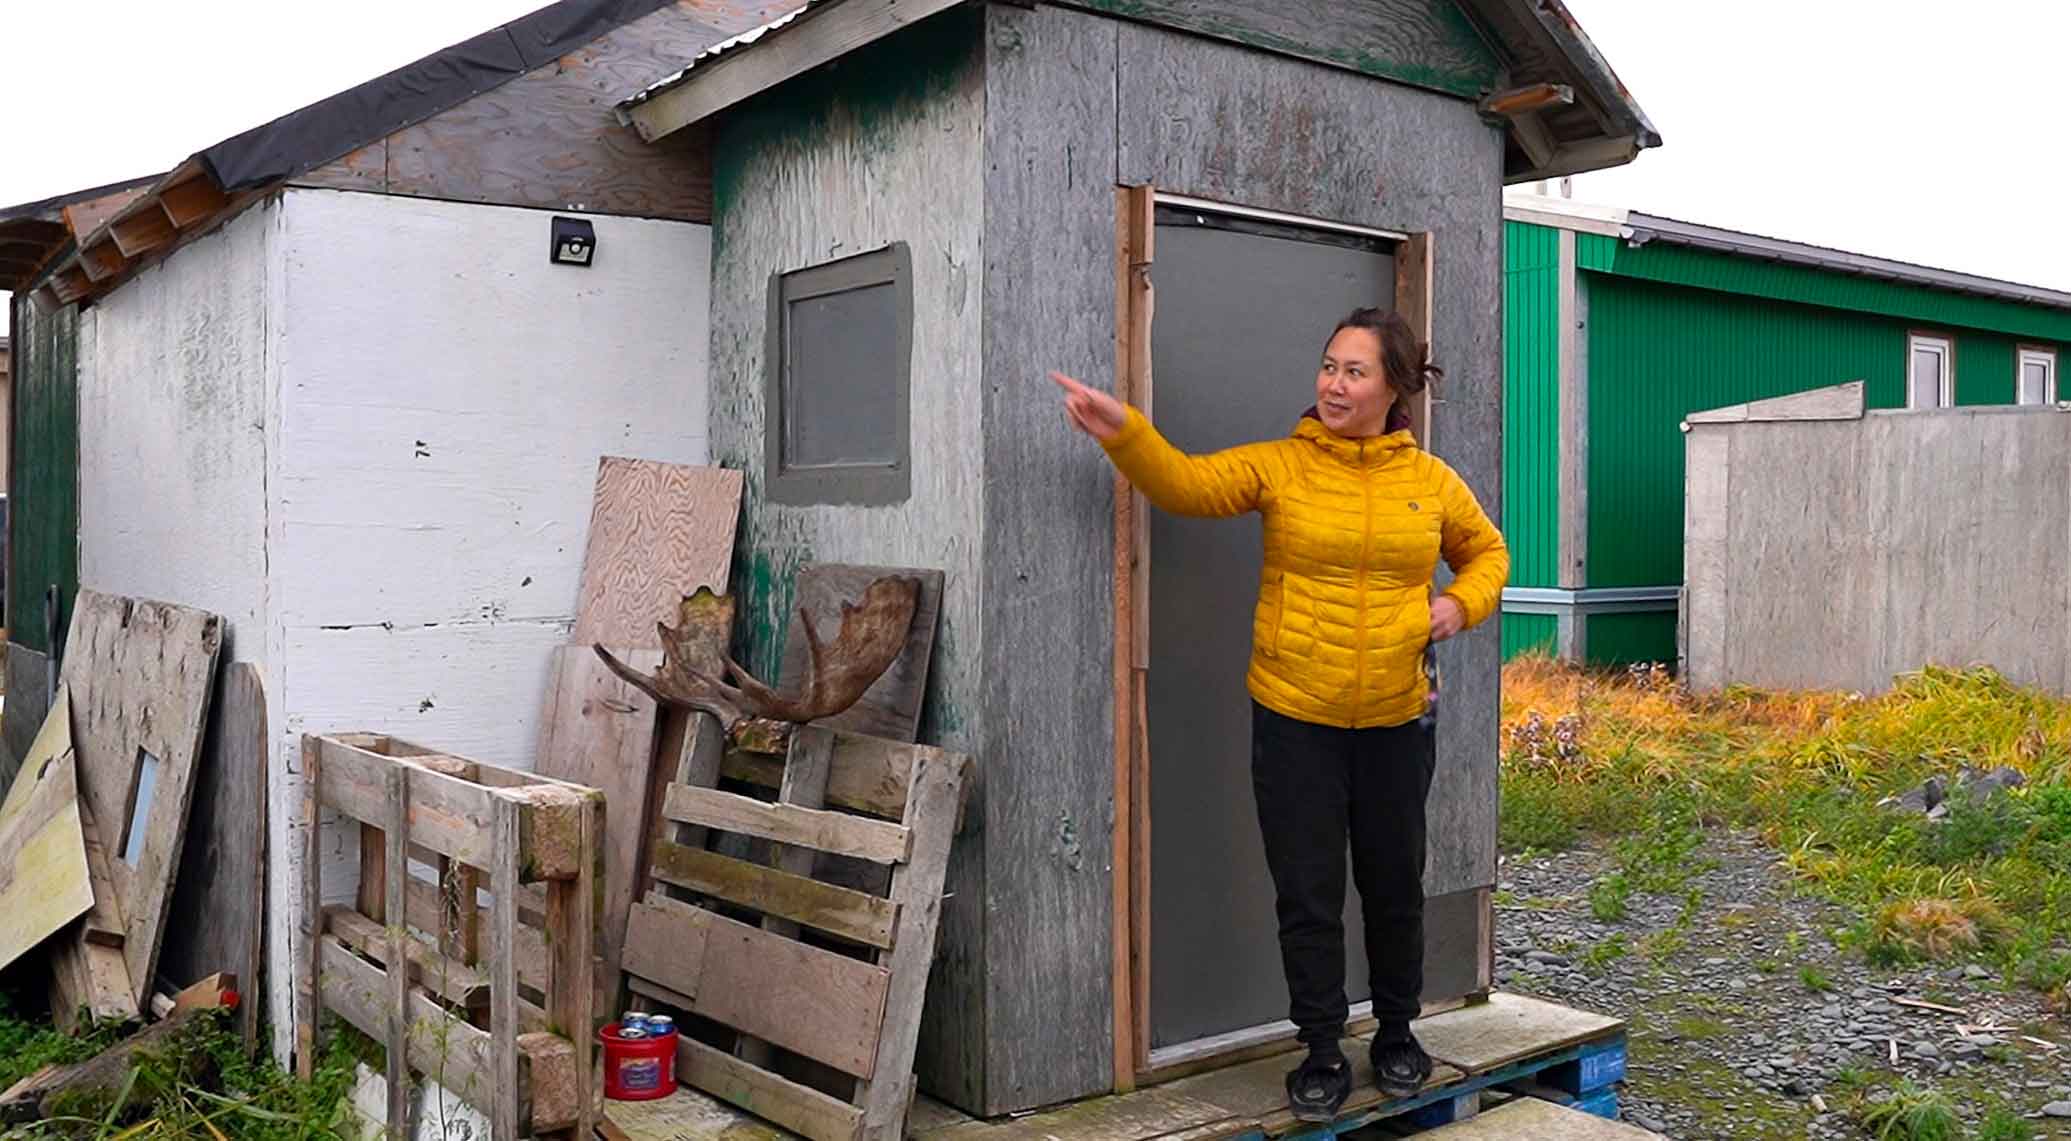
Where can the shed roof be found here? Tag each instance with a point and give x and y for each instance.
(32, 233)
(217, 181)
(1638, 230)
(1566, 110)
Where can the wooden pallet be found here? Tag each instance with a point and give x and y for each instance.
(803, 985)
(456, 1013)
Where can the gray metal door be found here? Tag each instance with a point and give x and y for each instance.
(1242, 314)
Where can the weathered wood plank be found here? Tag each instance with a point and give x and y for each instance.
(309, 934)
(90, 980)
(805, 786)
(503, 966)
(1484, 1035)
(658, 532)
(1046, 720)
(799, 1108)
(600, 731)
(448, 815)
(891, 707)
(868, 775)
(459, 1056)
(571, 916)
(44, 881)
(838, 911)
(832, 832)
(141, 675)
(395, 826)
(812, 1002)
(454, 981)
(223, 861)
(917, 891)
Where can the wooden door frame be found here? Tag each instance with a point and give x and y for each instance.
(1135, 252)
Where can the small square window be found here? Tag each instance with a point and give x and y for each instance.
(2036, 376)
(840, 364)
(1930, 372)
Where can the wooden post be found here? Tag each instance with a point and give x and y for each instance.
(805, 785)
(1135, 230)
(396, 830)
(503, 968)
(307, 999)
(571, 911)
(1413, 283)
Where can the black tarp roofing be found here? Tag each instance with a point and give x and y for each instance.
(336, 126)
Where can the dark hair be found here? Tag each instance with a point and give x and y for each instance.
(1405, 361)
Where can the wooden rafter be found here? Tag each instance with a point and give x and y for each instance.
(102, 260)
(192, 201)
(1528, 100)
(139, 233)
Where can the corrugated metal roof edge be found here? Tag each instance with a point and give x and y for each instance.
(1643, 228)
(724, 47)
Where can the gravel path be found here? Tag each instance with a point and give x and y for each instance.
(1729, 1037)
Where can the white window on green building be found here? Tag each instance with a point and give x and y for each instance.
(1931, 372)
(2037, 376)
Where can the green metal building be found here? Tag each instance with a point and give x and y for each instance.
(1618, 324)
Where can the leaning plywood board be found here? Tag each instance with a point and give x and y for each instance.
(658, 532)
(219, 897)
(44, 883)
(599, 731)
(140, 675)
(890, 708)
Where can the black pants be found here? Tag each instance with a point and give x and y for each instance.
(1315, 786)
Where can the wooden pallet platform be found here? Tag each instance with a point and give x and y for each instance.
(1506, 1039)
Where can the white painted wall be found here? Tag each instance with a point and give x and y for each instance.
(444, 395)
(172, 432)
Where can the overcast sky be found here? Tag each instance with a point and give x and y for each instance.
(1916, 129)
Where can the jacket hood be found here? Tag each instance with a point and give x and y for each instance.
(1311, 428)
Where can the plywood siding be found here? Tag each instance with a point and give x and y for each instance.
(444, 395)
(885, 148)
(172, 417)
(1938, 539)
(1215, 121)
(1049, 303)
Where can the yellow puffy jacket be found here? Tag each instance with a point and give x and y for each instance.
(1353, 532)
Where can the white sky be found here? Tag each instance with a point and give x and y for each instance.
(1917, 129)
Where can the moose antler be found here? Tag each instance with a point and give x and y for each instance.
(871, 637)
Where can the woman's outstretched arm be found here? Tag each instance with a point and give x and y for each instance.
(1219, 484)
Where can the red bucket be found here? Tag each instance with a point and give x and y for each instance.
(638, 1069)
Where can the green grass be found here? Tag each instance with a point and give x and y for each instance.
(2005, 1125)
(201, 1086)
(1651, 768)
(1607, 952)
(1814, 979)
(1909, 1113)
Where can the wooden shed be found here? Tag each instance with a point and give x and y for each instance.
(920, 206)
(325, 380)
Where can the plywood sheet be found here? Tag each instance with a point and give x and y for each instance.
(140, 675)
(1505, 1028)
(890, 708)
(44, 882)
(599, 731)
(1539, 1120)
(681, 1116)
(658, 532)
(223, 863)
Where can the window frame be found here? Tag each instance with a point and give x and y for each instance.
(1946, 388)
(823, 484)
(2047, 355)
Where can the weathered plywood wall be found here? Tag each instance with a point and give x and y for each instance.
(887, 147)
(1838, 554)
(172, 432)
(444, 395)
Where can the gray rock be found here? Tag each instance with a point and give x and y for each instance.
(1547, 958)
(1973, 971)
(2057, 1109)
(1926, 1050)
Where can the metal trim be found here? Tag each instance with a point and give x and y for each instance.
(1254, 213)
(1590, 600)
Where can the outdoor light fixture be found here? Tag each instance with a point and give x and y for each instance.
(575, 242)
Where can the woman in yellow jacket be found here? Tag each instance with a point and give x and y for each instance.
(1356, 517)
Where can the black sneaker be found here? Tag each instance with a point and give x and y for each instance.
(1400, 1065)
(1317, 1088)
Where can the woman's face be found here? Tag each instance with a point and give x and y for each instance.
(1352, 394)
